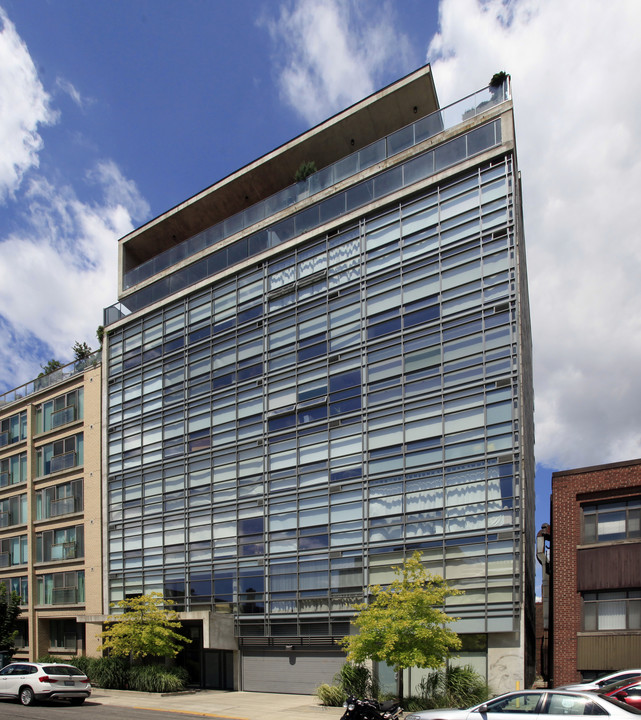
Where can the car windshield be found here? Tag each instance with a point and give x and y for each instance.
(611, 687)
(613, 701)
(62, 670)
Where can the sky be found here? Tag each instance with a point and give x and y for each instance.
(113, 111)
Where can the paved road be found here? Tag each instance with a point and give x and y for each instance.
(11, 710)
(123, 705)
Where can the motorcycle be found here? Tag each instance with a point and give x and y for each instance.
(370, 709)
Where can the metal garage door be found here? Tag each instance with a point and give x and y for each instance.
(289, 672)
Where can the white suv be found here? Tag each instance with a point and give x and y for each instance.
(29, 682)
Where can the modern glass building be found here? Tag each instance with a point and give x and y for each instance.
(305, 383)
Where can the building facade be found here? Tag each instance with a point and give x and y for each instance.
(306, 383)
(595, 596)
(50, 508)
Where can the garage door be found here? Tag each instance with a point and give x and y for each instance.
(289, 672)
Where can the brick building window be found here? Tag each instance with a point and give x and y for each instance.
(618, 610)
(606, 522)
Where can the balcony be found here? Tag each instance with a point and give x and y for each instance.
(46, 381)
(62, 462)
(63, 506)
(4, 438)
(64, 551)
(64, 416)
(348, 166)
(5, 559)
(5, 519)
(64, 596)
(5, 479)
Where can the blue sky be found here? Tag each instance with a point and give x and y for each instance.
(113, 111)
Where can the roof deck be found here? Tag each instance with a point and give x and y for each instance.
(375, 117)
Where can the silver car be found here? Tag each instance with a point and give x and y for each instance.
(602, 681)
(547, 704)
(28, 682)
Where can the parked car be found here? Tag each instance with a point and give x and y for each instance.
(602, 681)
(28, 682)
(629, 693)
(513, 705)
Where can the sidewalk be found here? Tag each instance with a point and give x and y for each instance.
(221, 703)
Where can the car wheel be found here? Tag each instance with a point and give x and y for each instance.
(26, 696)
(76, 701)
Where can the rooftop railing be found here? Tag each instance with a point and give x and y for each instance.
(350, 165)
(45, 381)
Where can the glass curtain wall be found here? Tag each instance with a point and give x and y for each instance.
(279, 440)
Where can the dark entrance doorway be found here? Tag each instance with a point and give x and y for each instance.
(218, 669)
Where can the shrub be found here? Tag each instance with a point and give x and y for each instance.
(157, 678)
(455, 686)
(86, 664)
(356, 680)
(331, 695)
(305, 169)
(110, 672)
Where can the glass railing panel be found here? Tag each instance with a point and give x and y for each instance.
(4, 438)
(63, 462)
(63, 417)
(63, 551)
(5, 559)
(5, 519)
(62, 506)
(64, 595)
(4, 479)
(419, 168)
(53, 378)
(418, 131)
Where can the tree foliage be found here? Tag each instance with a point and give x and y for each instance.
(81, 351)
(305, 169)
(9, 612)
(50, 367)
(404, 624)
(146, 628)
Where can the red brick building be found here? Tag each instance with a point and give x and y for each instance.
(595, 595)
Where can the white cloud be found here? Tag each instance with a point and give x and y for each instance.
(24, 106)
(577, 99)
(60, 271)
(332, 53)
(69, 89)
(59, 268)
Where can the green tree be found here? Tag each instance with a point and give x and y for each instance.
(144, 629)
(305, 169)
(50, 367)
(81, 351)
(9, 612)
(404, 624)
(100, 334)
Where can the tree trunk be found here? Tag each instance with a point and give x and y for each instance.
(399, 683)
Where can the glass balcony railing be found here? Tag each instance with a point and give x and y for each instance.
(63, 416)
(423, 129)
(41, 383)
(63, 462)
(354, 197)
(62, 506)
(64, 596)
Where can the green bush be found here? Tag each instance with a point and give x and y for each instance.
(109, 673)
(356, 680)
(157, 678)
(331, 695)
(454, 686)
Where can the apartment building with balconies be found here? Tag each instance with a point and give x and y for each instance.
(50, 512)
